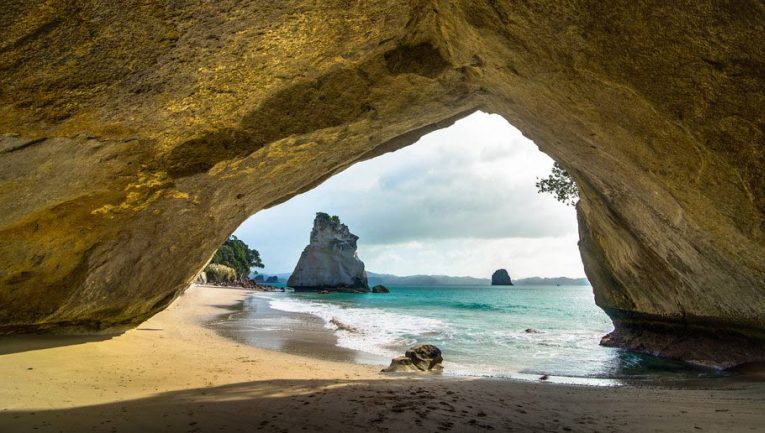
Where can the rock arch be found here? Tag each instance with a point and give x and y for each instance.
(135, 136)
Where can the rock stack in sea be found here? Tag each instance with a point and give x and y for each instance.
(380, 289)
(329, 262)
(500, 277)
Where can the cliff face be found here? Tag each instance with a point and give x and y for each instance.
(137, 135)
(330, 260)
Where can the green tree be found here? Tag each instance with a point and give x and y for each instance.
(237, 255)
(560, 184)
(325, 218)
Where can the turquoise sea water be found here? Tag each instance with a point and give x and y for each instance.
(482, 330)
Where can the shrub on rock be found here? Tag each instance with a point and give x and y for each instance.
(220, 274)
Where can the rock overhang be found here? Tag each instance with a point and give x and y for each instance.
(129, 147)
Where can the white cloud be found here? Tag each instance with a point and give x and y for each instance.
(522, 257)
(461, 201)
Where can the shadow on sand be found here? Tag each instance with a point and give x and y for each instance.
(400, 406)
(25, 342)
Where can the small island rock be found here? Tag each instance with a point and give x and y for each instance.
(329, 262)
(380, 289)
(272, 279)
(500, 277)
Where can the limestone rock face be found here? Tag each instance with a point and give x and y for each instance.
(136, 136)
(329, 262)
(500, 277)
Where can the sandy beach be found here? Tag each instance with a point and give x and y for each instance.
(172, 374)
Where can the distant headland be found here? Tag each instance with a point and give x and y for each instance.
(374, 278)
(448, 280)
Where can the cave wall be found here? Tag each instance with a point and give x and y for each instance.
(135, 136)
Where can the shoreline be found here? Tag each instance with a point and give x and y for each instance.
(318, 342)
(299, 334)
(173, 374)
(253, 321)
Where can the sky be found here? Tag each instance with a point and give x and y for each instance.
(461, 201)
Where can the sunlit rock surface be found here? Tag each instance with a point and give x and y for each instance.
(136, 136)
(329, 262)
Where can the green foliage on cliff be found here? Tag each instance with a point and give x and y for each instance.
(217, 273)
(238, 256)
(560, 184)
(323, 216)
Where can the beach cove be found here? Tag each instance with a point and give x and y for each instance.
(172, 374)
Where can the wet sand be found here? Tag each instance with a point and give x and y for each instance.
(252, 321)
(172, 374)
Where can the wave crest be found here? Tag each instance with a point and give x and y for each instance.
(371, 330)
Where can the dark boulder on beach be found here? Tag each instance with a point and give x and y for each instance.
(380, 289)
(423, 357)
(500, 277)
(400, 364)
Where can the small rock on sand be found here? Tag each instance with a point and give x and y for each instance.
(423, 357)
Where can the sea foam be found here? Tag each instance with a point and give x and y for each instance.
(370, 330)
